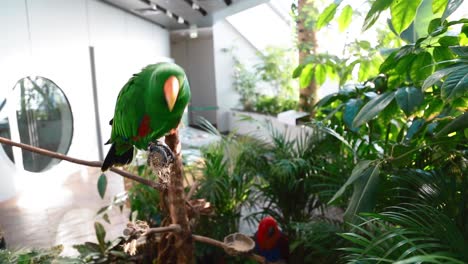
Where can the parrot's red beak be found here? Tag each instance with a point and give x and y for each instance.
(171, 90)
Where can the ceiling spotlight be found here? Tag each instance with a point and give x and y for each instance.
(193, 31)
(180, 20)
(169, 14)
(195, 6)
(153, 6)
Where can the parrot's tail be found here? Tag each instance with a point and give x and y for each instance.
(113, 159)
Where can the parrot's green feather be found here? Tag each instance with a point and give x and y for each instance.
(141, 112)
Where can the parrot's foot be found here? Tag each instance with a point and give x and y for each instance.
(160, 159)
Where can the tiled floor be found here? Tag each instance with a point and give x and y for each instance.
(66, 214)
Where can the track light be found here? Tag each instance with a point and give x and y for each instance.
(169, 13)
(180, 20)
(195, 6)
(193, 31)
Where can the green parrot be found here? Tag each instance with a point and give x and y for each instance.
(148, 107)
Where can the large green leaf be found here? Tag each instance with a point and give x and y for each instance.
(416, 125)
(102, 185)
(446, 41)
(351, 109)
(326, 16)
(364, 193)
(461, 122)
(377, 7)
(373, 108)
(306, 75)
(442, 54)
(460, 51)
(357, 172)
(403, 13)
(345, 18)
(438, 6)
(436, 76)
(389, 63)
(409, 99)
(421, 67)
(456, 85)
(298, 70)
(452, 5)
(320, 74)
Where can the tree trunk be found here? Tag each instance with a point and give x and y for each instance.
(307, 45)
(176, 247)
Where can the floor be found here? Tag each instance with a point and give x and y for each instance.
(62, 214)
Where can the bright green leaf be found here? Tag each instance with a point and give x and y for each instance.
(306, 75)
(456, 85)
(102, 185)
(377, 7)
(373, 108)
(364, 68)
(320, 74)
(438, 6)
(326, 16)
(345, 18)
(409, 99)
(436, 76)
(452, 5)
(421, 67)
(355, 174)
(403, 13)
(298, 70)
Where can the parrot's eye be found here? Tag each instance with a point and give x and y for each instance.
(171, 90)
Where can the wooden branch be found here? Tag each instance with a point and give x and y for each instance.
(164, 229)
(192, 190)
(222, 245)
(60, 156)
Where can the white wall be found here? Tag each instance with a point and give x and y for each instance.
(51, 38)
(225, 36)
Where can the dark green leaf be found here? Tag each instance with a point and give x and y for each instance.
(106, 218)
(373, 108)
(438, 6)
(460, 51)
(389, 63)
(364, 193)
(461, 122)
(436, 76)
(433, 25)
(298, 70)
(442, 54)
(320, 74)
(414, 128)
(357, 172)
(456, 85)
(351, 109)
(403, 13)
(100, 234)
(102, 185)
(405, 50)
(326, 16)
(448, 41)
(306, 75)
(452, 5)
(421, 67)
(345, 18)
(409, 99)
(325, 100)
(403, 65)
(377, 7)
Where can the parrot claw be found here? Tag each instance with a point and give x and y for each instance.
(160, 154)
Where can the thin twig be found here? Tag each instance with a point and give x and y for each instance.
(192, 190)
(222, 245)
(78, 161)
(164, 229)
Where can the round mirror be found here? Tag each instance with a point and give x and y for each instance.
(39, 115)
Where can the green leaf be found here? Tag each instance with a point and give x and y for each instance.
(351, 109)
(355, 174)
(438, 6)
(106, 218)
(421, 67)
(326, 16)
(364, 193)
(460, 51)
(297, 72)
(320, 74)
(442, 54)
(452, 5)
(102, 185)
(377, 7)
(306, 75)
(403, 13)
(345, 18)
(100, 235)
(446, 41)
(461, 122)
(364, 68)
(433, 25)
(415, 127)
(373, 108)
(409, 99)
(436, 76)
(389, 63)
(456, 85)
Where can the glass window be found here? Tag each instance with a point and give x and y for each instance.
(41, 117)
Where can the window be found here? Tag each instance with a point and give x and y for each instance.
(39, 115)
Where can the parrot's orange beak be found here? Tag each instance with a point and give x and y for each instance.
(171, 90)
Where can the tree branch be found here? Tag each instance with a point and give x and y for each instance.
(164, 229)
(60, 156)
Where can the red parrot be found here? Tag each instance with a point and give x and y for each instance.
(270, 242)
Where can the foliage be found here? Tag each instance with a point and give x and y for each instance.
(33, 256)
(266, 86)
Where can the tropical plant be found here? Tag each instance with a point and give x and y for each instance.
(36, 256)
